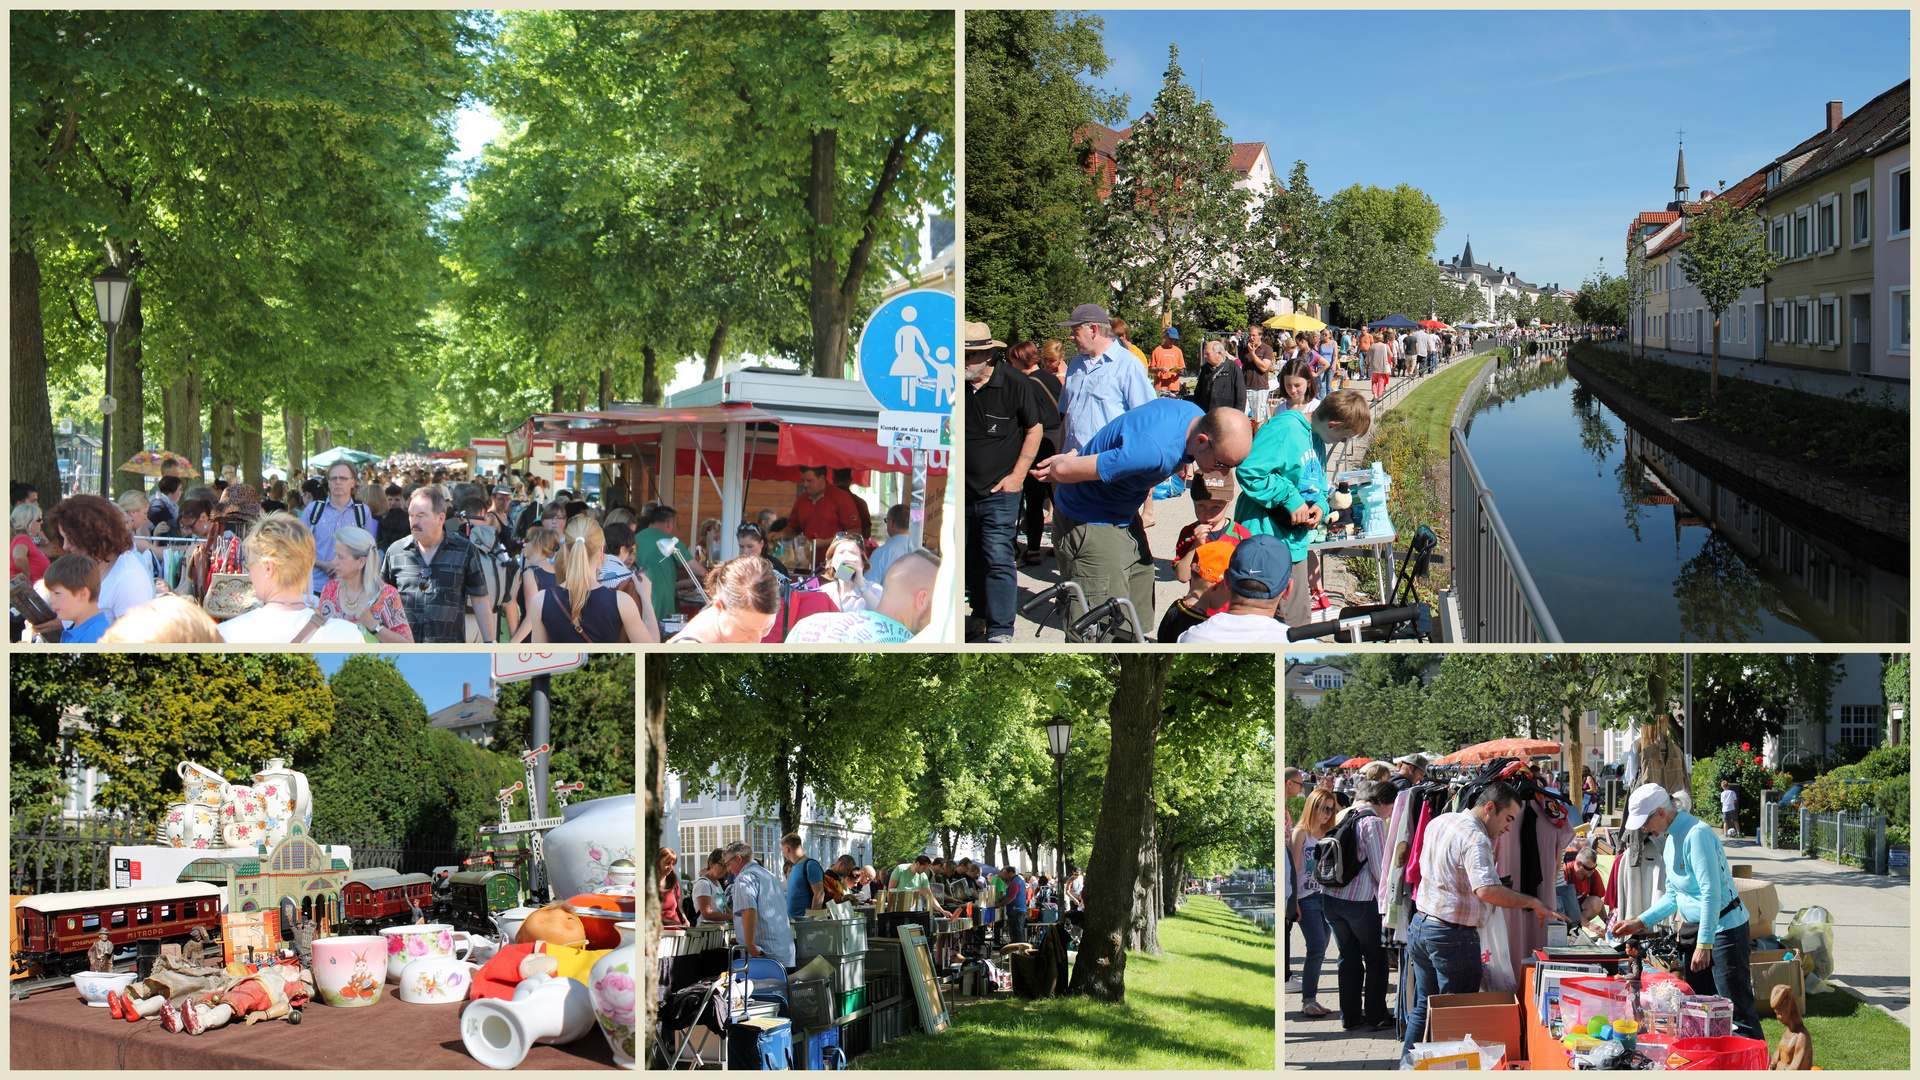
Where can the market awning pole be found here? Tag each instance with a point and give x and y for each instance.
(732, 468)
(1687, 666)
(542, 722)
(917, 508)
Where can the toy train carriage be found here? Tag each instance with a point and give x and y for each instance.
(476, 895)
(381, 900)
(56, 930)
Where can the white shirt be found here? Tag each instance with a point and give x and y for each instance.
(1228, 628)
(265, 626)
(704, 886)
(127, 584)
(1729, 799)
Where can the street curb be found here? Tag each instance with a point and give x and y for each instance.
(1863, 998)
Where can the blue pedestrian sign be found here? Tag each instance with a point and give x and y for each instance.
(906, 353)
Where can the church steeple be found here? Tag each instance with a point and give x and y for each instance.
(1680, 185)
(1466, 257)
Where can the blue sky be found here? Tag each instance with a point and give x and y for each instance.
(1540, 133)
(436, 677)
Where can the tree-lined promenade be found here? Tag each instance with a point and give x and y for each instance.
(312, 267)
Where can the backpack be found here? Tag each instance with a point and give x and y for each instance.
(1336, 856)
(319, 505)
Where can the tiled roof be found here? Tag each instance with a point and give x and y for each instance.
(1671, 242)
(1878, 124)
(1245, 154)
(476, 710)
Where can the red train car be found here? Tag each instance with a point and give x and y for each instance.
(376, 901)
(56, 930)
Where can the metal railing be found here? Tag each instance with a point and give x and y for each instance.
(1498, 599)
(1852, 839)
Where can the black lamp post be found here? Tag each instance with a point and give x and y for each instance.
(110, 289)
(1059, 738)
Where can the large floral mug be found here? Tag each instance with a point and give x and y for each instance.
(346, 970)
(405, 944)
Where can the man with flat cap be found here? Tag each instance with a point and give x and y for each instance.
(1103, 380)
(1003, 435)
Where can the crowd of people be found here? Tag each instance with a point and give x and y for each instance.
(426, 555)
(1350, 865)
(735, 889)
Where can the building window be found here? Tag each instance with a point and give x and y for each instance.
(1802, 323)
(1827, 223)
(1779, 322)
(1828, 327)
(1901, 312)
(1860, 725)
(1329, 680)
(1861, 232)
(1802, 232)
(1780, 237)
(1743, 324)
(1902, 220)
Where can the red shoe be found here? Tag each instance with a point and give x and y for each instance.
(194, 1021)
(113, 1005)
(170, 1016)
(1320, 601)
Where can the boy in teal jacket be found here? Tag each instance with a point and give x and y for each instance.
(1283, 481)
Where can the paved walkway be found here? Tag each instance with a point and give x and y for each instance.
(1872, 955)
(1826, 384)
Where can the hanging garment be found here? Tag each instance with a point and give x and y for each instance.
(1529, 851)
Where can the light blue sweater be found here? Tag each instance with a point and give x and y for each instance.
(1699, 882)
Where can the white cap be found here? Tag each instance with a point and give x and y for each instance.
(1418, 761)
(1643, 802)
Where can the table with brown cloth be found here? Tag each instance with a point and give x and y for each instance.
(54, 1029)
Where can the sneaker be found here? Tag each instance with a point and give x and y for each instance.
(1000, 639)
(1294, 985)
(1320, 601)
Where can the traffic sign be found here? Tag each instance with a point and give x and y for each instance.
(915, 430)
(906, 353)
(512, 667)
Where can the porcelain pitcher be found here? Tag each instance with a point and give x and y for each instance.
(286, 799)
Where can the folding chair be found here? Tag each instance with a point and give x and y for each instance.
(760, 979)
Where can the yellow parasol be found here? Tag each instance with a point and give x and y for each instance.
(1294, 321)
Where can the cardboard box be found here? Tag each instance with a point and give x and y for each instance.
(1771, 969)
(1742, 870)
(1763, 904)
(1489, 1018)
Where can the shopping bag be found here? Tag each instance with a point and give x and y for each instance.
(1496, 959)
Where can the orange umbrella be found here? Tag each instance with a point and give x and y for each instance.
(1500, 748)
(1355, 763)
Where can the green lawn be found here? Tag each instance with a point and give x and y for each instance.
(1429, 409)
(1206, 1003)
(1849, 1034)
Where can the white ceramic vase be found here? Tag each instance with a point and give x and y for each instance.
(582, 850)
(615, 994)
(544, 1009)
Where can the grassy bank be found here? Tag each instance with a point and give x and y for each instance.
(1206, 1003)
(1860, 434)
(1849, 1033)
(1429, 409)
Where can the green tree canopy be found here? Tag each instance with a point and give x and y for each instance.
(1725, 254)
(1403, 216)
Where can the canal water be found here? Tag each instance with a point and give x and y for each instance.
(1631, 542)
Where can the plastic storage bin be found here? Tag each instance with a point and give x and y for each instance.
(823, 937)
(849, 970)
(1706, 1017)
(883, 958)
(811, 1002)
(849, 1001)
(760, 1044)
(823, 1050)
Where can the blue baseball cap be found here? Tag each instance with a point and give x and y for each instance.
(1173, 332)
(1261, 568)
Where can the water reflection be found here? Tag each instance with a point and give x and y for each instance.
(1588, 498)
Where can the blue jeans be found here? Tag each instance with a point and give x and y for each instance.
(1443, 961)
(1731, 977)
(993, 583)
(1363, 961)
(1313, 927)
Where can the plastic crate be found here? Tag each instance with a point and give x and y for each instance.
(881, 986)
(849, 1001)
(810, 1002)
(824, 937)
(883, 958)
(849, 970)
(823, 1051)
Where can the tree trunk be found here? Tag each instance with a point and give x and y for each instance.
(252, 449)
(296, 428)
(825, 306)
(1713, 382)
(1574, 761)
(1122, 854)
(1143, 934)
(580, 400)
(31, 443)
(186, 438)
(716, 345)
(653, 802)
(606, 387)
(129, 391)
(650, 390)
(559, 398)
(1173, 866)
(224, 452)
(323, 438)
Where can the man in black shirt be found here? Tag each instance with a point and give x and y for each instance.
(1003, 435)
(1222, 385)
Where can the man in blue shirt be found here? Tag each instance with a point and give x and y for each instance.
(1099, 540)
(759, 917)
(806, 882)
(1015, 903)
(1700, 887)
(1104, 380)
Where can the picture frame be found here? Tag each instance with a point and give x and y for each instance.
(918, 957)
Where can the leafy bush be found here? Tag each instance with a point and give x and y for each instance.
(1742, 767)
(1890, 796)
(1832, 793)
(1419, 495)
(1880, 763)
(1800, 772)
(1899, 836)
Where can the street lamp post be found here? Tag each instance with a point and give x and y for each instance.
(1059, 738)
(110, 289)
(1896, 712)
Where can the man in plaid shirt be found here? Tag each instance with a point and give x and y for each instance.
(1457, 881)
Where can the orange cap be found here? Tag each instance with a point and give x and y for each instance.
(1211, 559)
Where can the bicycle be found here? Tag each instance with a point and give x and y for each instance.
(1408, 618)
(1097, 627)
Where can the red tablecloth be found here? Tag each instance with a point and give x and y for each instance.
(55, 1030)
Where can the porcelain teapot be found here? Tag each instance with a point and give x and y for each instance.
(285, 798)
(436, 980)
(508, 922)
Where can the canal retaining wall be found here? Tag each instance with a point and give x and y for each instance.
(1861, 506)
